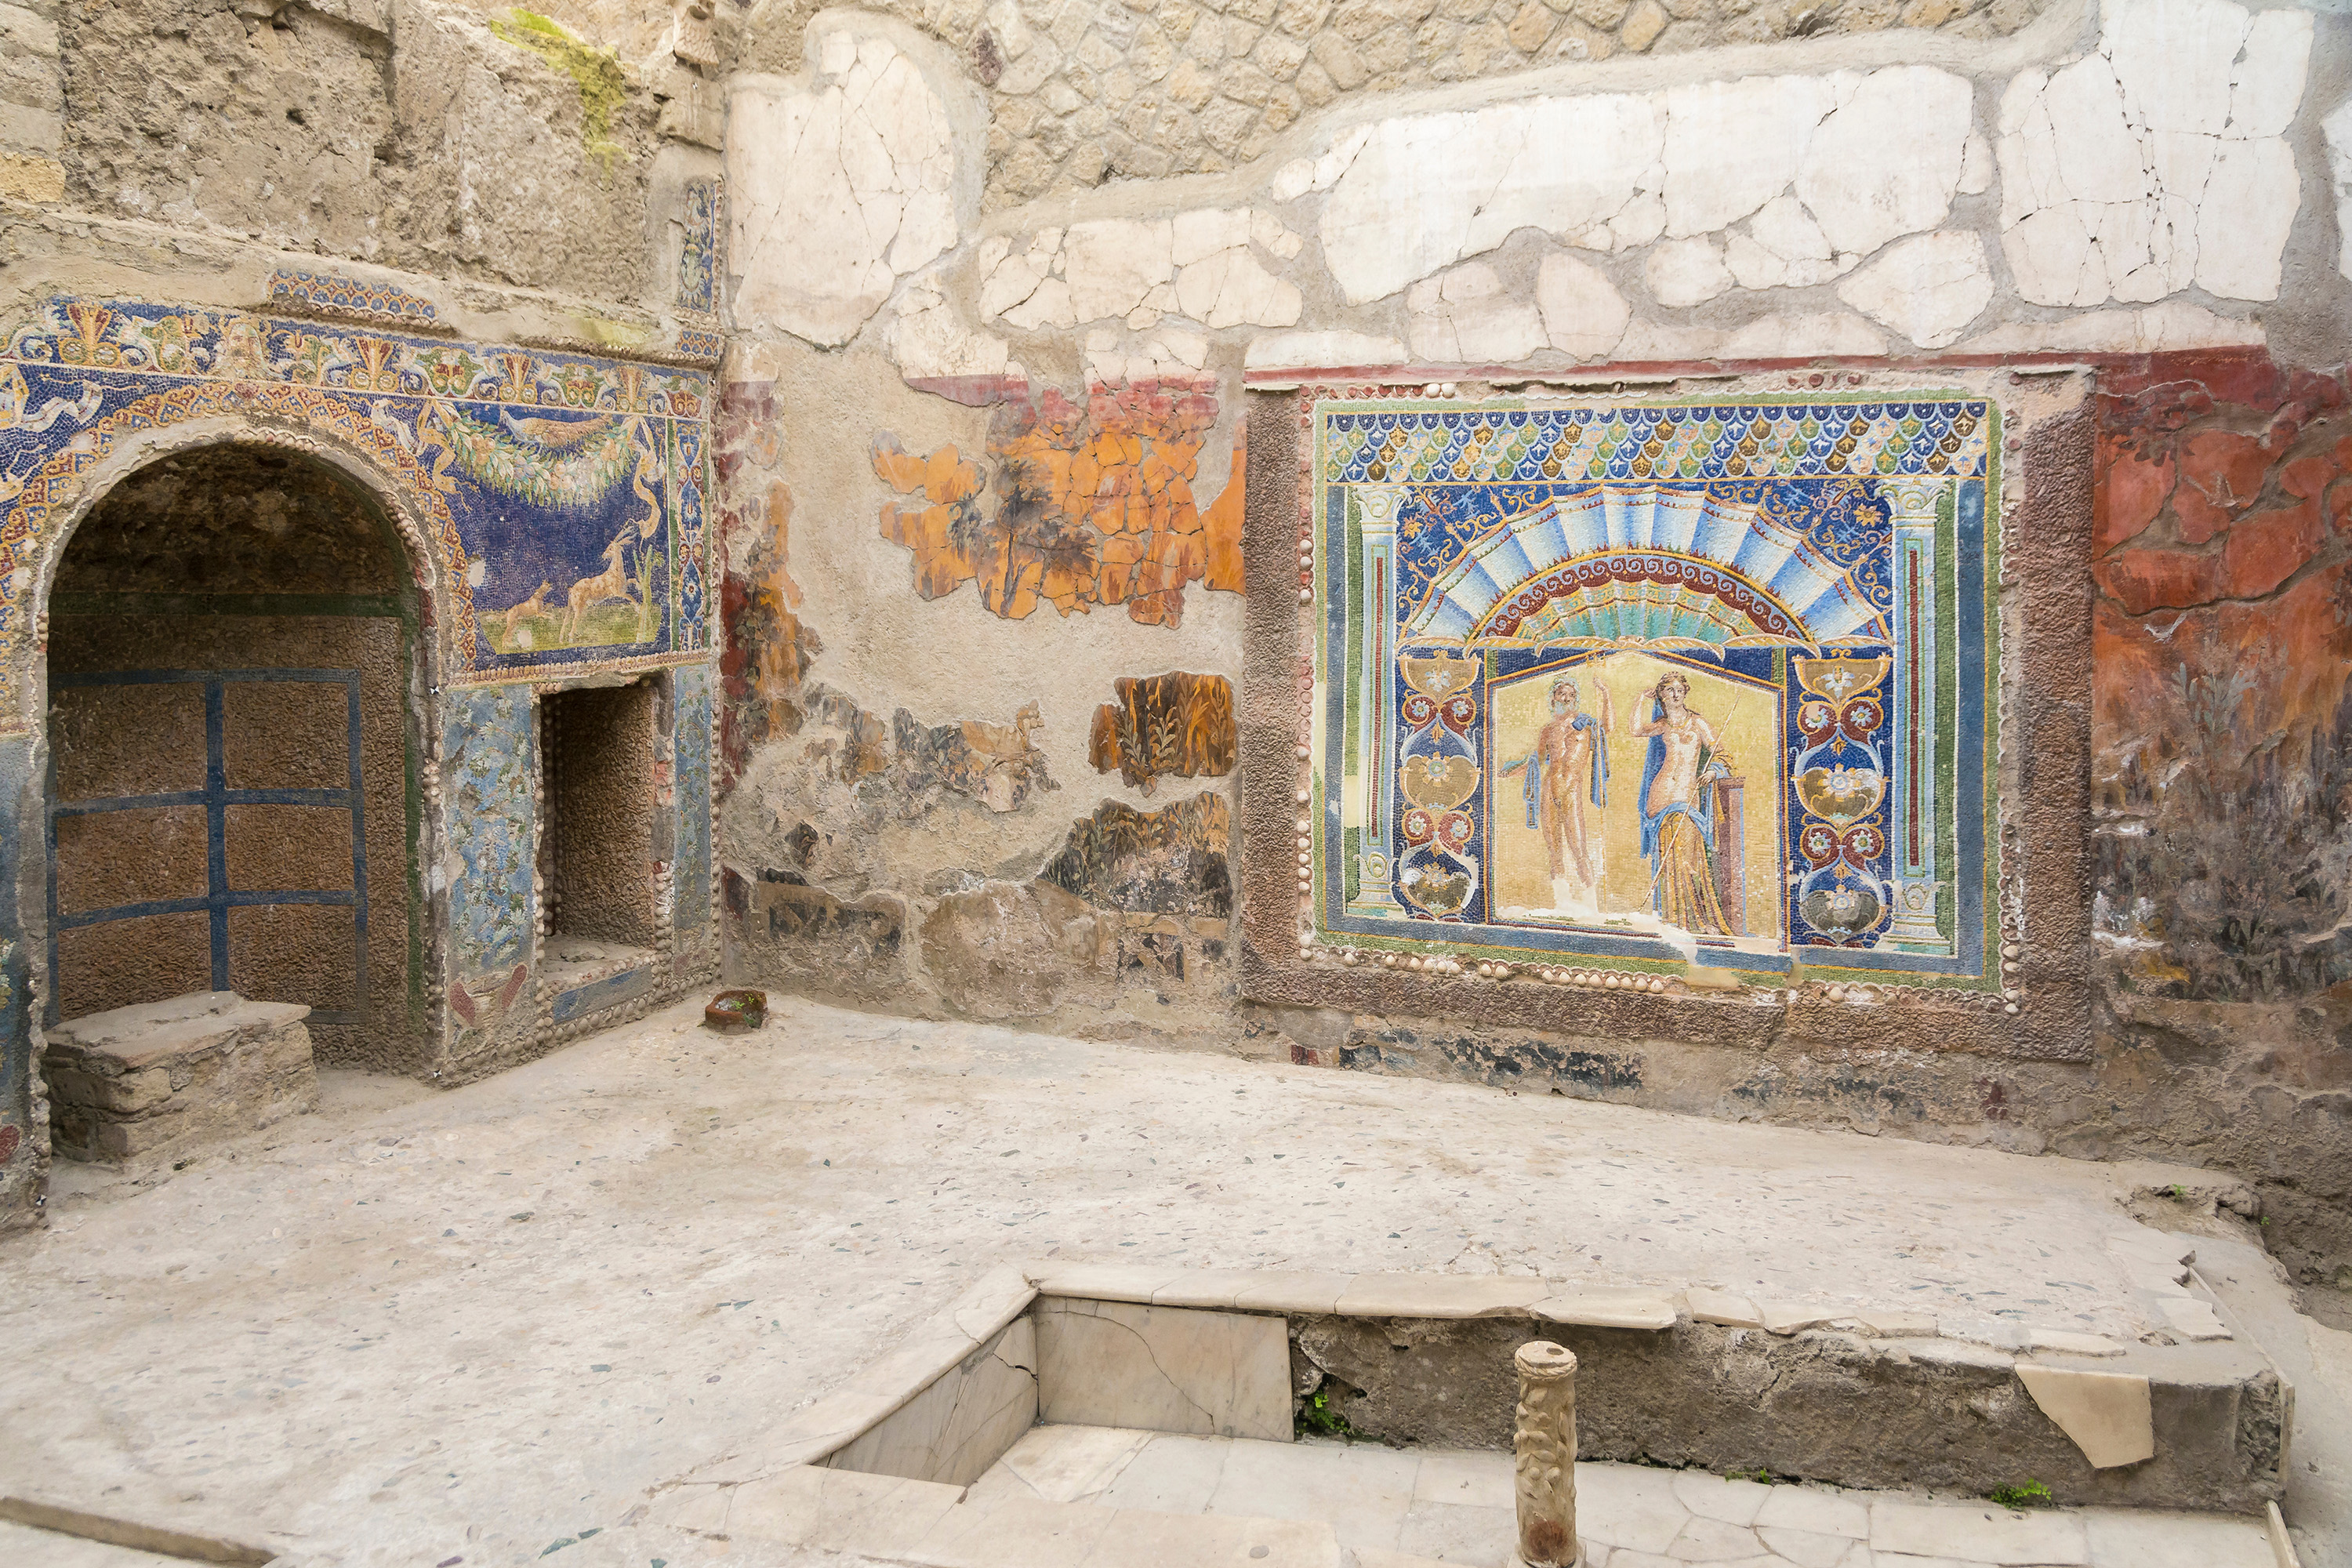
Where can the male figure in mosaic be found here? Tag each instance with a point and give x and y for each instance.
(1678, 809)
(1570, 766)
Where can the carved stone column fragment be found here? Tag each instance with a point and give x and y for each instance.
(1544, 1447)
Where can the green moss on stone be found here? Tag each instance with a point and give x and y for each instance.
(595, 72)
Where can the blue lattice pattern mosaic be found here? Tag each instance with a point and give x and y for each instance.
(350, 296)
(1657, 683)
(1387, 446)
(699, 343)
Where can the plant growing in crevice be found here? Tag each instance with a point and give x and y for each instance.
(1317, 1416)
(2029, 1494)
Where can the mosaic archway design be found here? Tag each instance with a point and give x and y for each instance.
(562, 497)
(1660, 682)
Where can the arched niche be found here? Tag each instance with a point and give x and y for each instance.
(234, 678)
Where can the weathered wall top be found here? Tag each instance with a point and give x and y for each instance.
(1080, 92)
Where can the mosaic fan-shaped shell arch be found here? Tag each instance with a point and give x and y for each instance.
(1643, 567)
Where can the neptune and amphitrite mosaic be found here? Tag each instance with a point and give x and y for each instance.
(1659, 682)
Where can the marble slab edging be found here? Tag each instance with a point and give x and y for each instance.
(2184, 1387)
(929, 1351)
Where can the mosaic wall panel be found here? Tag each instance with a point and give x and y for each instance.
(488, 741)
(698, 253)
(1659, 682)
(563, 496)
(691, 879)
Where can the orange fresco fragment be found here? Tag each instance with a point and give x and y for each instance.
(2129, 497)
(1222, 551)
(1093, 506)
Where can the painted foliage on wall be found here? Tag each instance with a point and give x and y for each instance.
(1177, 725)
(564, 495)
(1660, 681)
(1094, 505)
(2222, 639)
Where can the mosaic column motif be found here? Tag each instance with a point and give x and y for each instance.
(1439, 777)
(487, 749)
(691, 879)
(1376, 518)
(1915, 506)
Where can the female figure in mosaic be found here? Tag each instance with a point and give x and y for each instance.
(1678, 809)
(1570, 766)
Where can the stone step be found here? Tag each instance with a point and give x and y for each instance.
(147, 1080)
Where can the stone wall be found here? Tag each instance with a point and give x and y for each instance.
(995, 285)
(981, 464)
(1080, 93)
(427, 247)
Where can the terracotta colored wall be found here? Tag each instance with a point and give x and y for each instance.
(2222, 778)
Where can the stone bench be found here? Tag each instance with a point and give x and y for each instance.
(139, 1080)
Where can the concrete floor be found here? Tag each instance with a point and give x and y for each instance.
(1449, 1505)
(422, 1326)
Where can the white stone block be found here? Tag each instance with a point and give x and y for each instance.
(1166, 1369)
(1583, 314)
(1809, 335)
(1426, 191)
(840, 184)
(1887, 162)
(2338, 128)
(1112, 263)
(2144, 1537)
(1732, 146)
(1321, 351)
(2105, 1412)
(1465, 318)
(1929, 288)
(1723, 1307)
(955, 1430)
(1685, 272)
(2158, 161)
(1976, 1532)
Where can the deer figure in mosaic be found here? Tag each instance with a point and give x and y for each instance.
(531, 609)
(612, 582)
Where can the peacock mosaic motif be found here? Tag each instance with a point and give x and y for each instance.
(1659, 683)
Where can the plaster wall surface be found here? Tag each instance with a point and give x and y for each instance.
(2092, 186)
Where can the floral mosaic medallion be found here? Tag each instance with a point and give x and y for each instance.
(1649, 684)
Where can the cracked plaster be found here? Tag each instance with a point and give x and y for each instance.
(842, 182)
(2338, 128)
(2158, 161)
(1869, 156)
(1199, 265)
(1721, 190)
(1929, 288)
